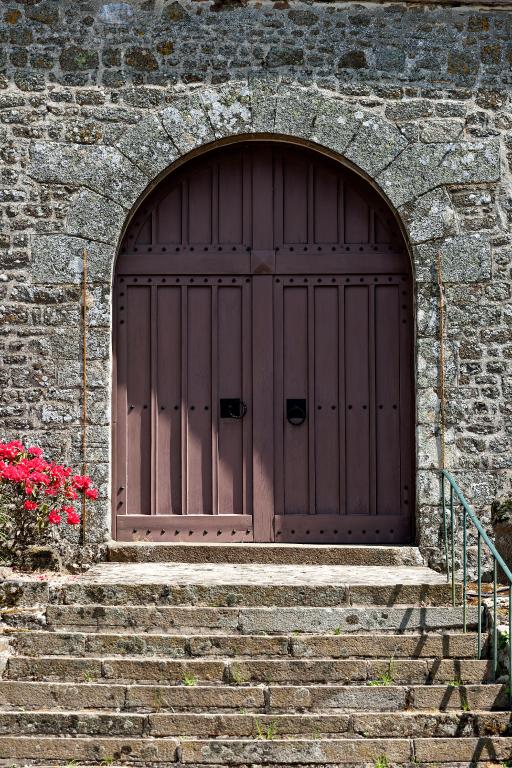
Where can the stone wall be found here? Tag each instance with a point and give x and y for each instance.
(97, 100)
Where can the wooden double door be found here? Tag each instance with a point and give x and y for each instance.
(263, 357)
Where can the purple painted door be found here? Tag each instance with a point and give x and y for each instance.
(263, 356)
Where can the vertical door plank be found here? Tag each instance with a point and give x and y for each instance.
(296, 438)
(168, 216)
(406, 410)
(184, 400)
(357, 222)
(215, 399)
(295, 199)
(327, 432)
(138, 311)
(199, 440)
(326, 205)
(199, 208)
(311, 396)
(119, 495)
(342, 402)
(279, 403)
(387, 367)
(247, 395)
(215, 213)
(169, 374)
(154, 397)
(262, 200)
(263, 408)
(278, 182)
(357, 437)
(246, 198)
(230, 361)
(371, 399)
(231, 200)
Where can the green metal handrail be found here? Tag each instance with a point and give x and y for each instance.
(482, 538)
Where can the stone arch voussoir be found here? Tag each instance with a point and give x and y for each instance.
(414, 176)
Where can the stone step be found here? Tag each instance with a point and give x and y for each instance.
(43, 643)
(23, 618)
(258, 698)
(97, 750)
(266, 726)
(385, 698)
(243, 671)
(261, 595)
(255, 584)
(271, 620)
(340, 751)
(278, 554)
(255, 751)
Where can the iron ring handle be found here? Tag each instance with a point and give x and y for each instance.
(241, 413)
(296, 415)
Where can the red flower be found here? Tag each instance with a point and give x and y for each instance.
(34, 450)
(39, 478)
(92, 493)
(54, 517)
(73, 518)
(11, 450)
(81, 482)
(30, 505)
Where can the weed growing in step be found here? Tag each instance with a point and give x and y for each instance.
(455, 683)
(386, 678)
(88, 677)
(266, 732)
(236, 677)
(157, 699)
(381, 762)
(71, 764)
(337, 631)
(189, 680)
(107, 760)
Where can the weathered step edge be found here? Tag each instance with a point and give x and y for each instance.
(273, 698)
(257, 751)
(85, 644)
(280, 554)
(242, 671)
(272, 620)
(256, 595)
(407, 724)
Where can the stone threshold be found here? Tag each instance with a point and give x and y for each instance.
(279, 554)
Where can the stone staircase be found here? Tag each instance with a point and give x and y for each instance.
(246, 665)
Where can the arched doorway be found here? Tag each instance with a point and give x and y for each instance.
(263, 353)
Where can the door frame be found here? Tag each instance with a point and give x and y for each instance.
(264, 529)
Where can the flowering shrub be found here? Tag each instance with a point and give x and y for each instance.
(36, 497)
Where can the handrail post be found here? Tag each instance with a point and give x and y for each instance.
(495, 623)
(510, 646)
(464, 570)
(445, 528)
(452, 525)
(479, 589)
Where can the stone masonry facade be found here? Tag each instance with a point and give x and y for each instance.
(98, 100)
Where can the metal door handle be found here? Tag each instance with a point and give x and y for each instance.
(232, 408)
(296, 411)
